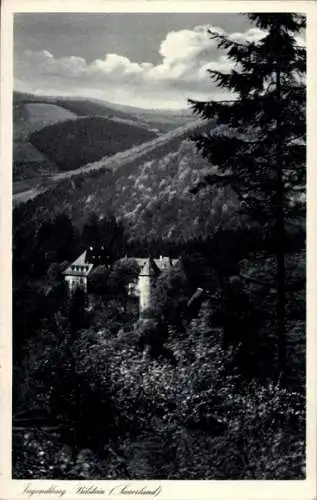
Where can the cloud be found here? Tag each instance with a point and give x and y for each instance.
(181, 72)
(252, 35)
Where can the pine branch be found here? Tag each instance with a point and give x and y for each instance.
(224, 40)
(292, 22)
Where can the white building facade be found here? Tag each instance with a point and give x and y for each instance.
(76, 274)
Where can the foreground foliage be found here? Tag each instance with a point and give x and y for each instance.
(124, 413)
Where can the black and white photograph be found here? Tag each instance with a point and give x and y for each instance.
(159, 246)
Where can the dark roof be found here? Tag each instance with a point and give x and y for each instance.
(153, 267)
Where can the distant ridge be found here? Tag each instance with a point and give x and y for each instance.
(185, 111)
(120, 161)
(46, 130)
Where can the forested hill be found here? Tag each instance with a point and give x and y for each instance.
(128, 158)
(52, 135)
(73, 143)
(161, 120)
(150, 194)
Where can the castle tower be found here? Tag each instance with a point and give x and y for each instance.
(147, 278)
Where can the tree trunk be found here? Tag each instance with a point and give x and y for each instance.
(280, 236)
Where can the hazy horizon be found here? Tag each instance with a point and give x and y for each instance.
(46, 95)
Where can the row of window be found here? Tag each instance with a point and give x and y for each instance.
(82, 269)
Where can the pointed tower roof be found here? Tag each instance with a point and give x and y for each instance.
(150, 268)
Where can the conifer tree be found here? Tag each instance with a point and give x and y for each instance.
(259, 142)
(104, 239)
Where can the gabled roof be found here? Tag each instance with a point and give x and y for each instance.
(80, 266)
(148, 265)
(81, 260)
(153, 267)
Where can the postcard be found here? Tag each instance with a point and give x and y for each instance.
(158, 234)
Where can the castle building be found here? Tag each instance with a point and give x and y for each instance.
(76, 274)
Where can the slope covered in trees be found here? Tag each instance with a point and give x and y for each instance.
(36, 158)
(151, 197)
(73, 143)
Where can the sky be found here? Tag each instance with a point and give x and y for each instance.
(145, 60)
